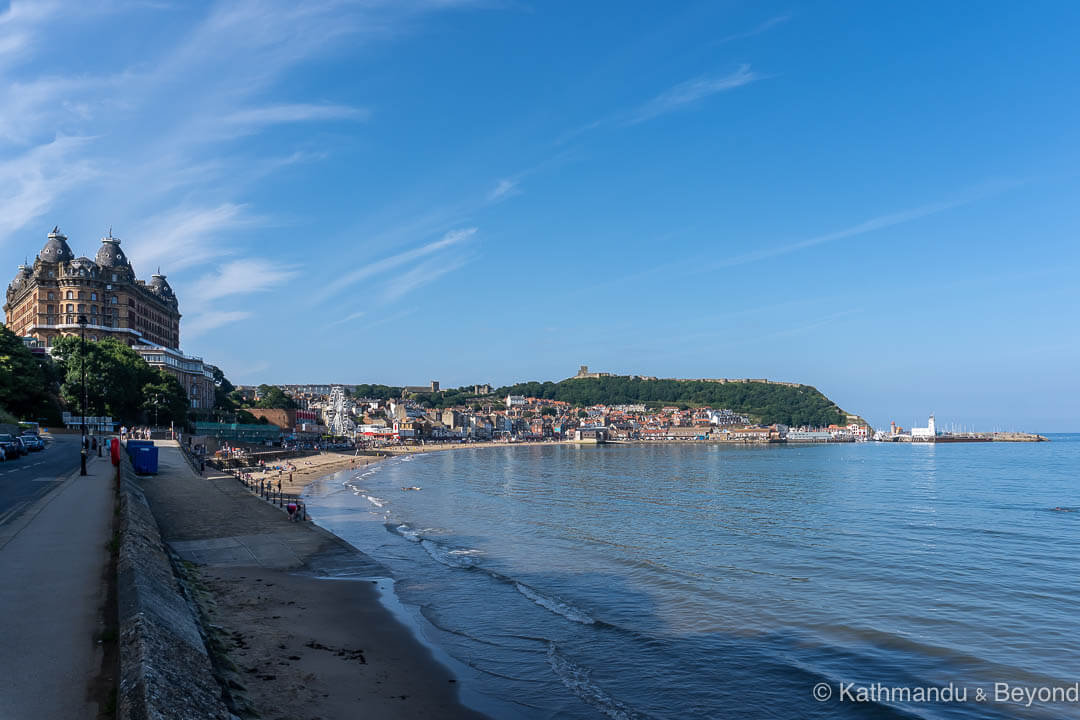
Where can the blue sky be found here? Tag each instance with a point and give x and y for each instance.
(878, 200)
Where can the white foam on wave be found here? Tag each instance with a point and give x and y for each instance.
(556, 606)
(377, 502)
(408, 533)
(463, 559)
(577, 679)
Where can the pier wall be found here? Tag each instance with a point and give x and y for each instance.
(165, 671)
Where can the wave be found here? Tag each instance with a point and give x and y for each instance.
(407, 532)
(466, 559)
(554, 605)
(452, 558)
(577, 680)
(377, 502)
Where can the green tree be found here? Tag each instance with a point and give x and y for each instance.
(245, 417)
(767, 402)
(273, 398)
(164, 400)
(547, 410)
(26, 383)
(224, 401)
(115, 376)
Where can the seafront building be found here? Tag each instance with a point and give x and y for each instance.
(195, 376)
(515, 418)
(47, 299)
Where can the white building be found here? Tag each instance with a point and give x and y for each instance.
(861, 431)
(926, 433)
(513, 401)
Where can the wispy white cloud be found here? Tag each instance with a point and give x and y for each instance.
(690, 92)
(348, 318)
(763, 27)
(878, 223)
(137, 120)
(387, 264)
(258, 117)
(503, 189)
(202, 323)
(417, 277)
(240, 277)
(678, 97)
(184, 237)
(32, 181)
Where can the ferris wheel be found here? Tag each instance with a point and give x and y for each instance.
(337, 415)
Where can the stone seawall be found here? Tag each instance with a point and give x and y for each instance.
(165, 671)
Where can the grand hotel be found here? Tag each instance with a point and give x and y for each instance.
(47, 300)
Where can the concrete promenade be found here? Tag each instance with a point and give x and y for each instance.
(53, 560)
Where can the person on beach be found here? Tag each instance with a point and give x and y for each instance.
(292, 508)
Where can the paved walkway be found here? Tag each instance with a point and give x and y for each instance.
(215, 520)
(53, 559)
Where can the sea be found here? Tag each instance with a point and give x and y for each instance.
(869, 580)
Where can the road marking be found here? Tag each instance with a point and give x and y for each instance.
(12, 511)
(47, 479)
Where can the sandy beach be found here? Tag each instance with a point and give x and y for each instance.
(287, 643)
(297, 473)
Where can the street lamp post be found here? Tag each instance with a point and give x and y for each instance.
(82, 349)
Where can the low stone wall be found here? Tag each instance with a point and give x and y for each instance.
(165, 672)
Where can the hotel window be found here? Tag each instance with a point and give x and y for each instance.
(69, 295)
(82, 308)
(52, 295)
(114, 277)
(93, 309)
(113, 300)
(70, 308)
(93, 296)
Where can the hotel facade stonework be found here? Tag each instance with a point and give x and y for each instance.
(46, 300)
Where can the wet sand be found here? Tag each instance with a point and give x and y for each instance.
(307, 648)
(287, 643)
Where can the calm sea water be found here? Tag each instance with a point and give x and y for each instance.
(678, 581)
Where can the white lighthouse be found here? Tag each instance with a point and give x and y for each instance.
(927, 433)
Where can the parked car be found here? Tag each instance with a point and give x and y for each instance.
(33, 441)
(9, 446)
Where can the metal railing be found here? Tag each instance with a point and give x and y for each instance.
(270, 491)
(265, 488)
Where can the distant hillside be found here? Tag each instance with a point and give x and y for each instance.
(766, 402)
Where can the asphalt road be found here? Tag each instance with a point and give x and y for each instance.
(25, 479)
